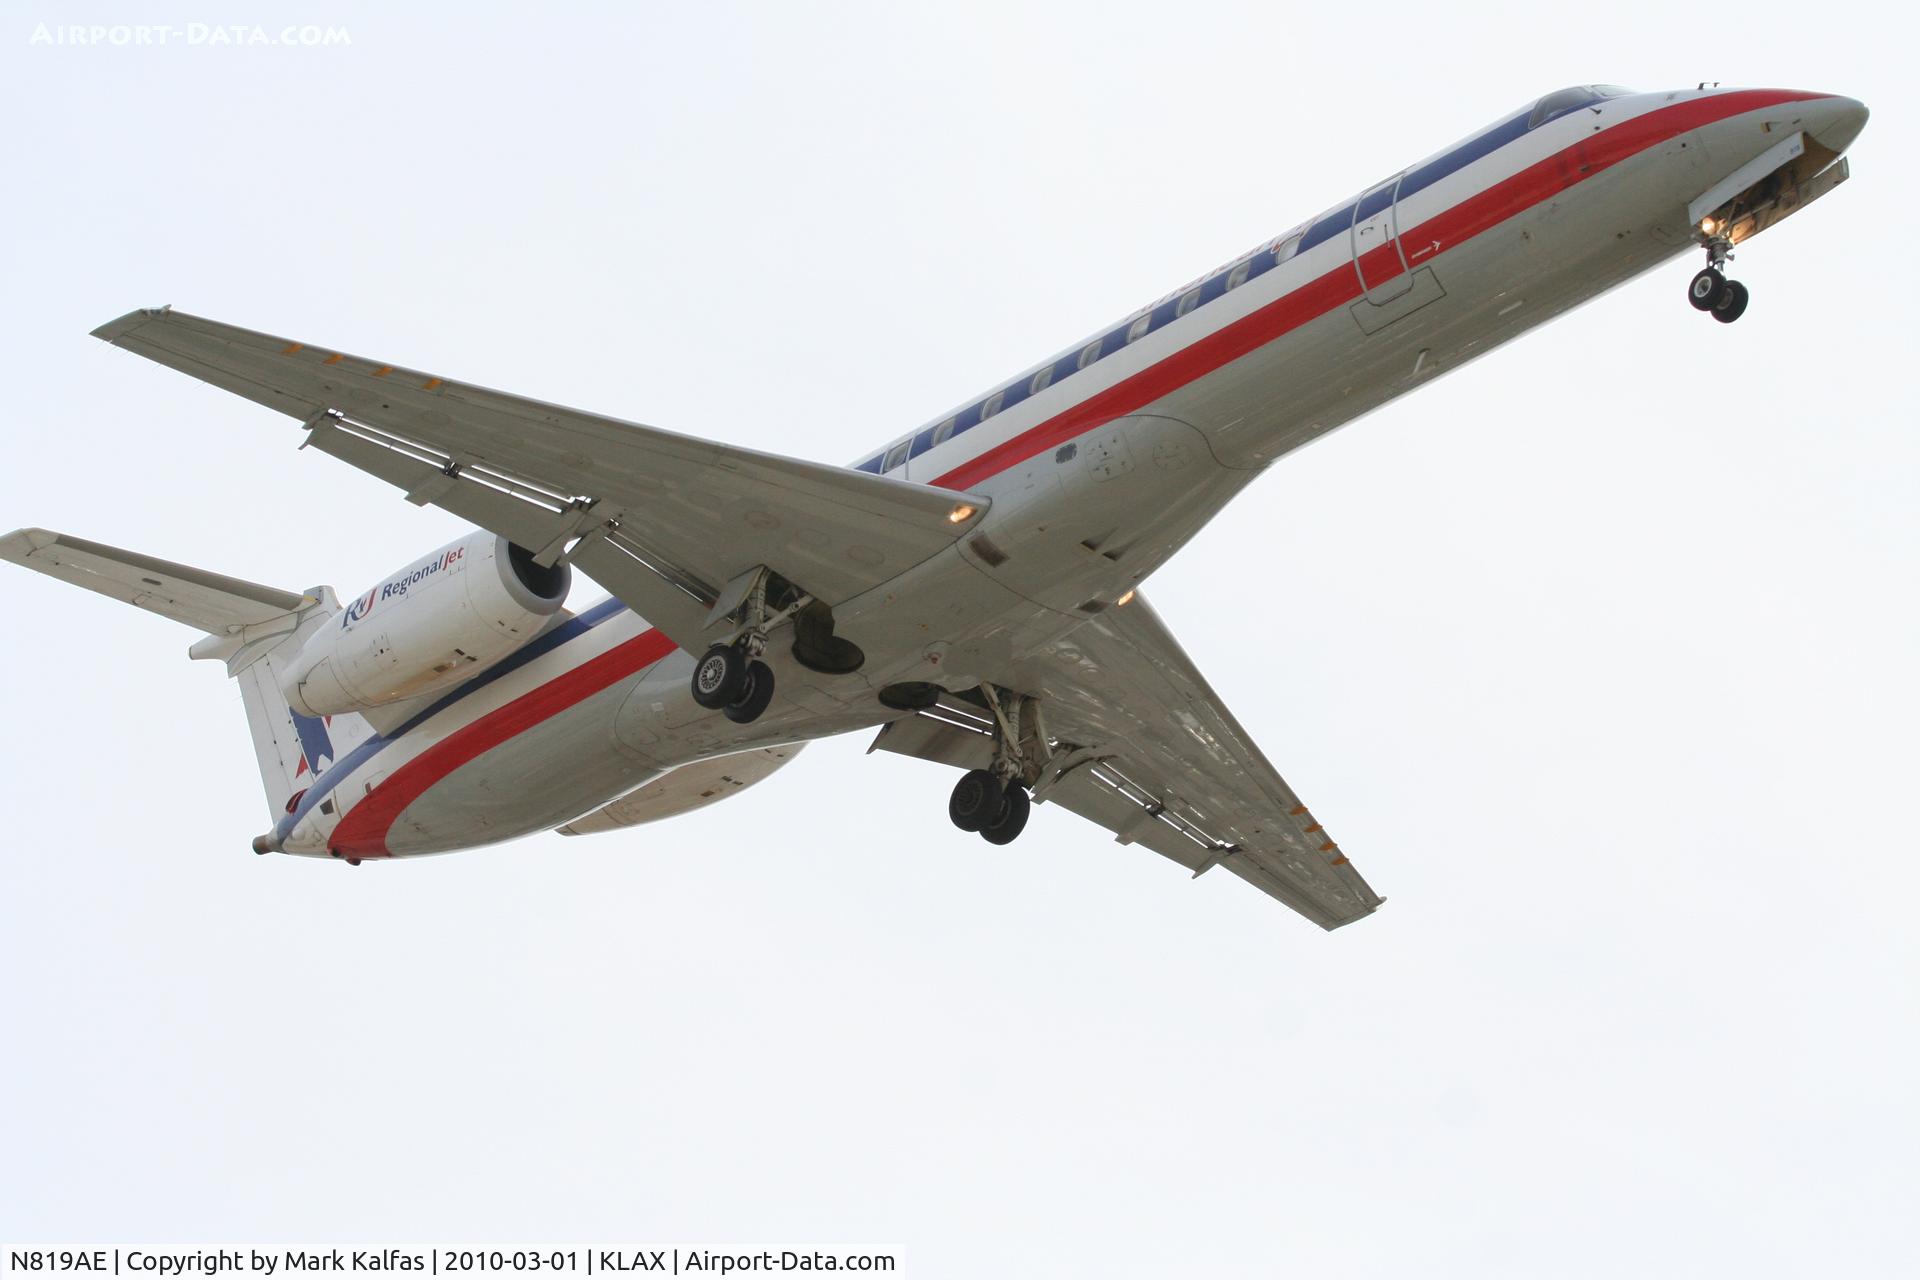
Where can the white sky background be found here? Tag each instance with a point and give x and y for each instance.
(1597, 656)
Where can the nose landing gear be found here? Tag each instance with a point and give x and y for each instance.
(1711, 291)
(1733, 305)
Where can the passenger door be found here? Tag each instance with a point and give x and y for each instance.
(1379, 259)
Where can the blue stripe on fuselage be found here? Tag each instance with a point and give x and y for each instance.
(1337, 223)
(1475, 148)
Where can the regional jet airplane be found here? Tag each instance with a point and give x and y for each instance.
(972, 589)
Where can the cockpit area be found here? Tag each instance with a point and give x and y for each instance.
(1561, 101)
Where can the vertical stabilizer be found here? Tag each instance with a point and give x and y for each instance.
(291, 749)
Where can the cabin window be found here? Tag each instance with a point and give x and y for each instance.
(896, 455)
(1138, 329)
(1188, 302)
(1288, 247)
(1090, 352)
(942, 433)
(992, 405)
(1238, 276)
(1041, 381)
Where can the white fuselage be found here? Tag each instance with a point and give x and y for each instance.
(1099, 463)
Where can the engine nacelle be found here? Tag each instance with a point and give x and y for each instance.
(435, 624)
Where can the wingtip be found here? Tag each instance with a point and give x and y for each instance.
(114, 330)
(22, 543)
(27, 542)
(1357, 916)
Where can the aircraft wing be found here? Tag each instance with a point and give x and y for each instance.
(1144, 747)
(664, 521)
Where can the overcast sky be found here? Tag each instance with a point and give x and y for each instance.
(1597, 656)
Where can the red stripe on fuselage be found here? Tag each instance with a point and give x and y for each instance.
(1455, 226)
(362, 833)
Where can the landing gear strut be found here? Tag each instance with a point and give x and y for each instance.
(1710, 290)
(994, 801)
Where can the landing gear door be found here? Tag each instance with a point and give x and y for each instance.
(1379, 259)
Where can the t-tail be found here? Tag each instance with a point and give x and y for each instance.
(257, 631)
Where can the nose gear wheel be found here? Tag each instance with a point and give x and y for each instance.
(1711, 291)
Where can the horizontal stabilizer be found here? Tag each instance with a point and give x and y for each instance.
(210, 601)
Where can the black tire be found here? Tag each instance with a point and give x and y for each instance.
(718, 675)
(976, 800)
(1012, 818)
(1706, 290)
(1734, 305)
(756, 691)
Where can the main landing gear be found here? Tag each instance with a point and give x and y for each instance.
(995, 807)
(994, 801)
(1710, 290)
(730, 677)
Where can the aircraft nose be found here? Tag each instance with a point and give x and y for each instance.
(1837, 121)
